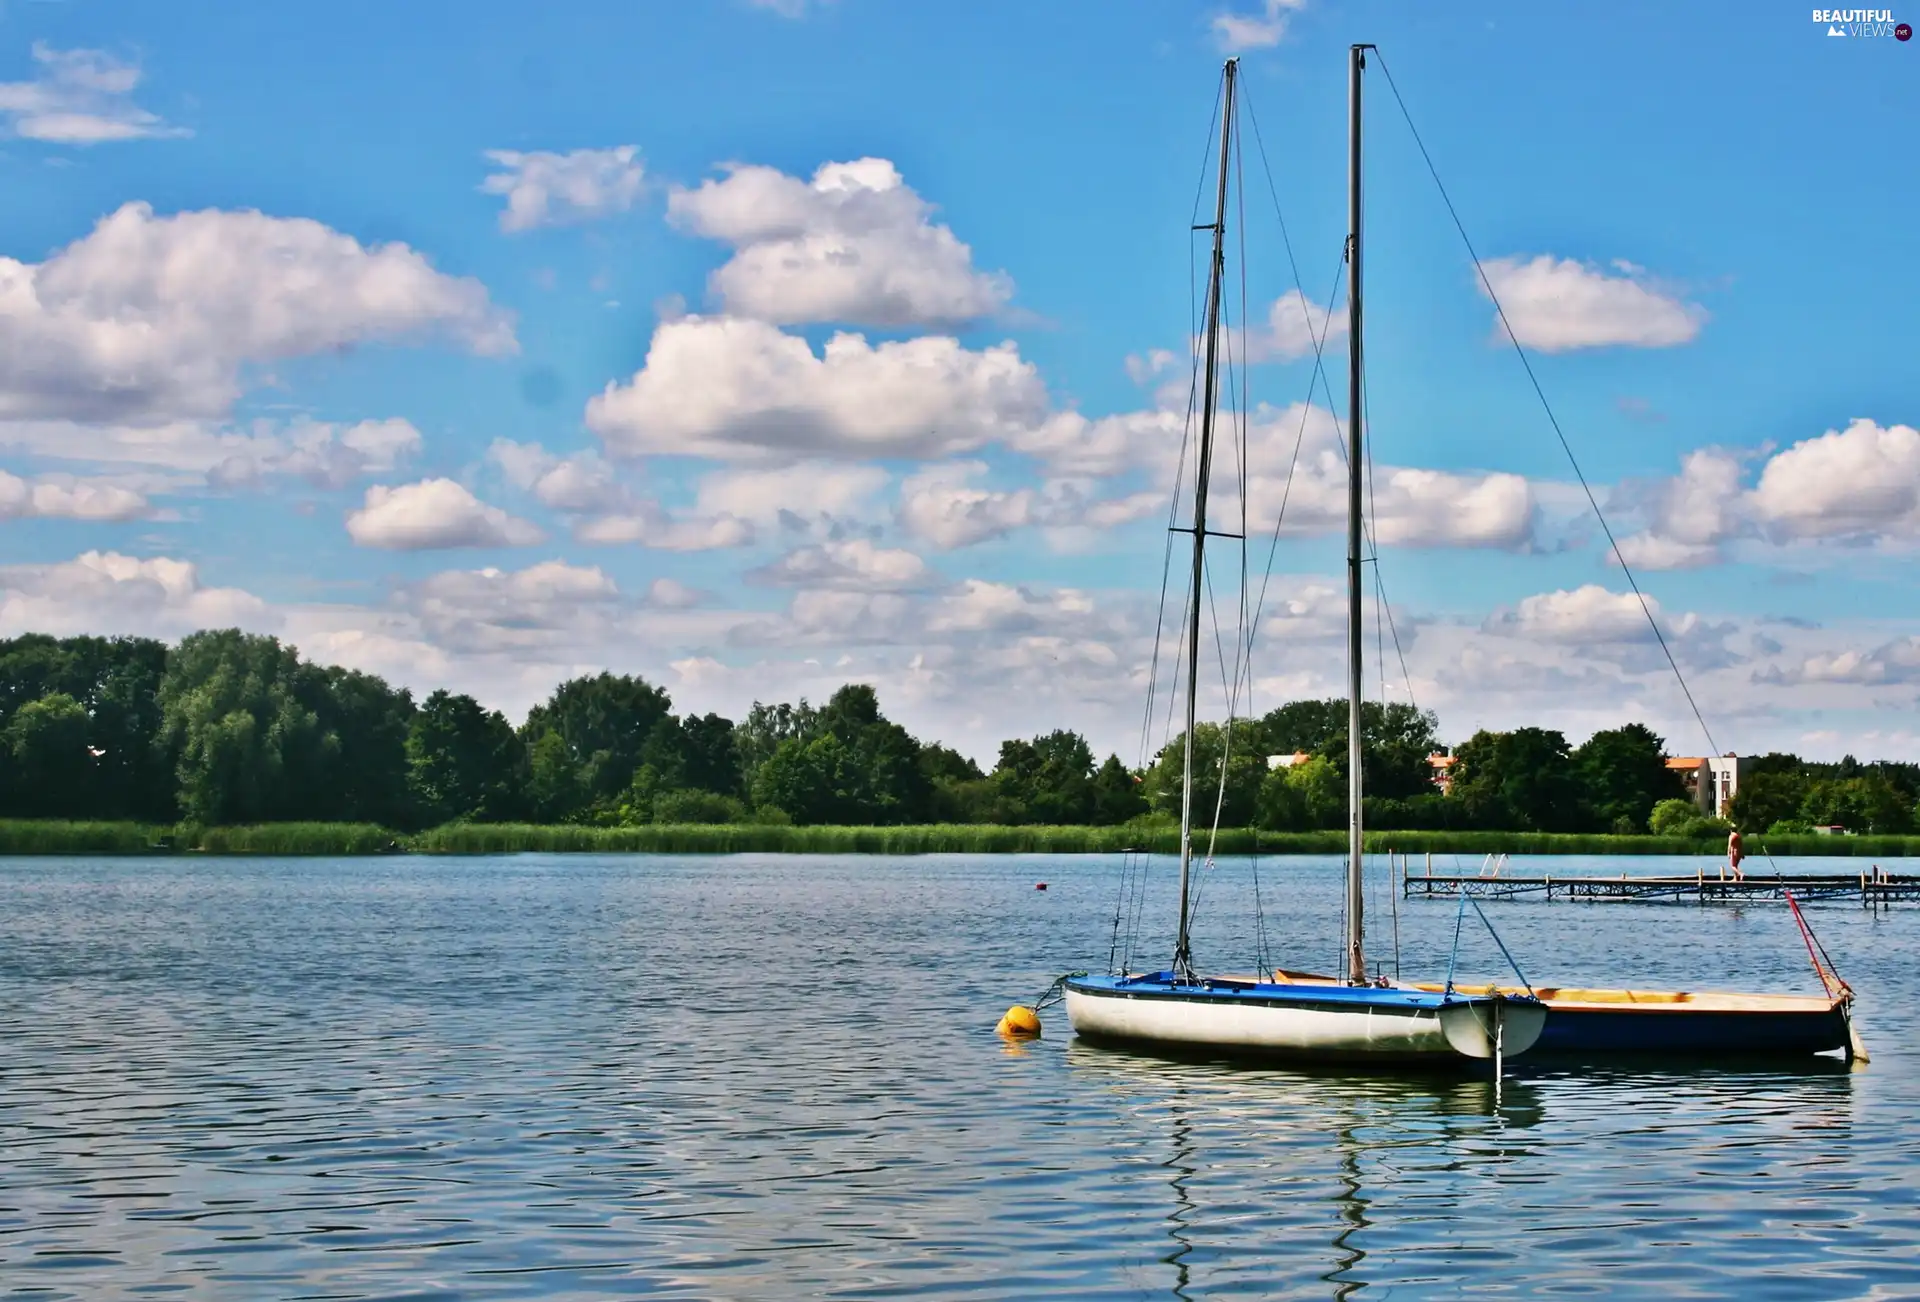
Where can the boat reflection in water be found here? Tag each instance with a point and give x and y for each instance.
(1256, 1156)
(1262, 1180)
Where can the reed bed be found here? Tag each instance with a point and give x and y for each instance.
(292, 839)
(736, 838)
(48, 836)
(62, 836)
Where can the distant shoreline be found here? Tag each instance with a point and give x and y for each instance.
(46, 837)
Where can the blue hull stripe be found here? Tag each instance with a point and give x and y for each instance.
(1692, 1033)
(1160, 985)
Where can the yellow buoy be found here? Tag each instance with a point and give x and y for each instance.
(1020, 1023)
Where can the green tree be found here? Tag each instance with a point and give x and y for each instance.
(464, 761)
(1050, 779)
(115, 681)
(1522, 780)
(1116, 794)
(942, 764)
(1307, 726)
(55, 770)
(695, 753)
(873, 773)
(1323, 792)
(712, 762)
(1624, 774)
(555, 791)
(1395, 741)
(603, 722)
(136, 772)
(231, 714)
(1868, 803)
(1281, 805)
(1672, 817)
(884, 780)
(1225, 778)
(690, 806)
(1768, 796)
(765, 727)
(959, 792)
(260, 736)
(360, 772)
(814, 781)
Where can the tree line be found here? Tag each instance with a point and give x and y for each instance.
(229, 727)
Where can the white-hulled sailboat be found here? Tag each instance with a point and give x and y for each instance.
(1310, 1018)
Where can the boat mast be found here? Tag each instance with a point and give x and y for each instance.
(1356, 955)
(1216, 282)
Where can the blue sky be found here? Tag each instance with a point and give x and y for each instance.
(482, 345)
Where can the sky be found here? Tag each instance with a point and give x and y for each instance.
(758, 347)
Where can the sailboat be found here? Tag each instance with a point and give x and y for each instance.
(1351, 1019)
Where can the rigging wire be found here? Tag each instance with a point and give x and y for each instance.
(1221, 317)
(1379, 577)
(1128, 875)
(1553, 420)
(1240, 678)
(1229, 685)
(1243, 649)
(1317, 335)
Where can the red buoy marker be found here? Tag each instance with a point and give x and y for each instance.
(1039, 886)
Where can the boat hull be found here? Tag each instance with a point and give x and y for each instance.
(1332, 1023)
(1690, 1025)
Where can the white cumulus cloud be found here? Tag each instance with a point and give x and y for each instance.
(1255, 31)
(1587, 614)
(81, 97)
(944, 506)
(324, 455)
(978, 606)
(1892, 662)
(107, 592)
(671, 594)
(853, 564)
(606, 511)
(1560, 304)
(1407, 506)
(731, 388)
(1294, 327)
(854, 244)
(647, 524)
(1858, 486)
(579, 484)
(548, 189)
(1687, 517)
(805, 494)
(152, 318)
(1858, 483)
(67, 498)
(433, 514)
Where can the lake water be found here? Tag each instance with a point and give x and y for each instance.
(770, 1077)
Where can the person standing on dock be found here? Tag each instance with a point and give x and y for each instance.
(1734, 856)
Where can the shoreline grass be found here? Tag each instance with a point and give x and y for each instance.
(58, 837)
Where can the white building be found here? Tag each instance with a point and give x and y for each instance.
(1712, 780)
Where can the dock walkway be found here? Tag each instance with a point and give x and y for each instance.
(1871, 886)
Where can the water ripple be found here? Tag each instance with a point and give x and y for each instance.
(758, 1077)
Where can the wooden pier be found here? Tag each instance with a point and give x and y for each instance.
(1871, 886)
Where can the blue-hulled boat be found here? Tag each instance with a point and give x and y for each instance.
(1707, 1024)
(1360, 1018)
(1330, 1022)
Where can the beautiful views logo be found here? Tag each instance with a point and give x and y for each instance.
(1863, 22)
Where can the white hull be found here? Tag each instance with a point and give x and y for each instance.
(1461, 1029)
